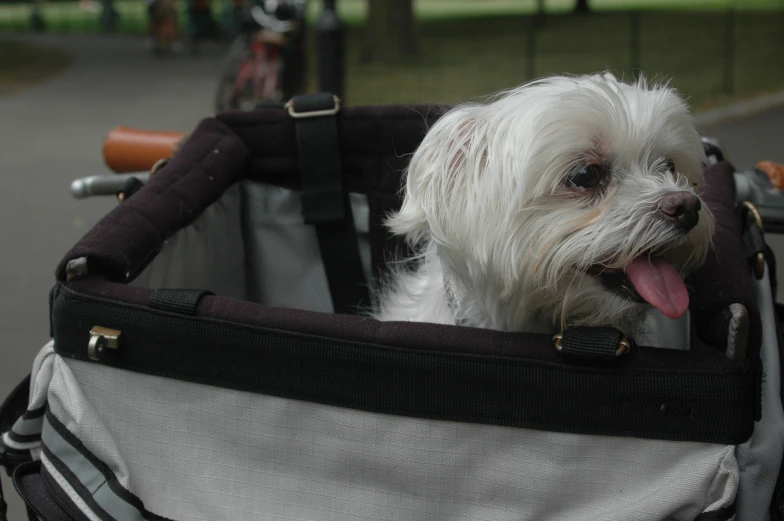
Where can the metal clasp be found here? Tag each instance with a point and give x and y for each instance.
(315, 113)
(102, 338)
(759, 260)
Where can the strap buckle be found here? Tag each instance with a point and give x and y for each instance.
(289, 106)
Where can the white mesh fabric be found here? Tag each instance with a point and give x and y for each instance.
(194, 452)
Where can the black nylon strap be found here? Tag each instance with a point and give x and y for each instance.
(722, 514)
(325, 203)
(319, 160)
(753, 241)
(591, 343)
(182, 301)
(3, 504)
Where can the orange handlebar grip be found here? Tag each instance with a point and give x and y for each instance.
(127, 150)
(774, 171)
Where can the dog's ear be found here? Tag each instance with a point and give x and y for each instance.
(436, 170)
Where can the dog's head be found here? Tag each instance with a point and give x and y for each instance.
(569, 199)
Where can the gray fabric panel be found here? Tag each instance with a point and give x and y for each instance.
(254, 245)
(209, 254)
(759, 458)
(28, 427)
(89, 476)
(283, 258)
(116, 507)
(661, 331)
(194, 452)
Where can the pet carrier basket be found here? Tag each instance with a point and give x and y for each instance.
(207, 361)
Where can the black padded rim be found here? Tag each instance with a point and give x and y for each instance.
(657, 393)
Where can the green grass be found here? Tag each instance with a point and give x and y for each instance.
(463, 60)
(68, 16)
(471, 48)
(23, 64)
(354, 11)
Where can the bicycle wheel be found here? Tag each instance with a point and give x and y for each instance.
(270, 79)
(239, 52)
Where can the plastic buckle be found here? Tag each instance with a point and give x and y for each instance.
(315, 113)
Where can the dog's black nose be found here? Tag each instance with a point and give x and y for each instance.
(681, 209)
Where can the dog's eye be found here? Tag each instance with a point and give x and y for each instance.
(670, 166)
(590, 176)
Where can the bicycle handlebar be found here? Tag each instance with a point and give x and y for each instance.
(127, 150)
(108, 184)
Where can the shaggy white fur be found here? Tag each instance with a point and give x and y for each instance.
(527, 211)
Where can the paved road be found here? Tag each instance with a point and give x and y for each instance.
(752, 139)
(52, 133)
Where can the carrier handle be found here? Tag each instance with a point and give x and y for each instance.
(127, 149)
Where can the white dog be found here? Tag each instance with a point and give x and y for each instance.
(567, 201)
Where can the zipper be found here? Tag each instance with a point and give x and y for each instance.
(76, 515)
(66, 509)
(15, 481)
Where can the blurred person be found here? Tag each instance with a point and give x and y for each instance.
(231, 16)
(164, 33)
(201, 23)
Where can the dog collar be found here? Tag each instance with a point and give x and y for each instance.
(451, 298)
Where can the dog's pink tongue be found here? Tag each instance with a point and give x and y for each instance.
(657, 282)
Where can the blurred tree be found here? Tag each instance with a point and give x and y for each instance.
(390, 31)
(539, 17)
(582, 7)
(36, 19)
(109, 16)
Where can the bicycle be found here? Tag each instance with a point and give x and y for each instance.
(259, 58)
